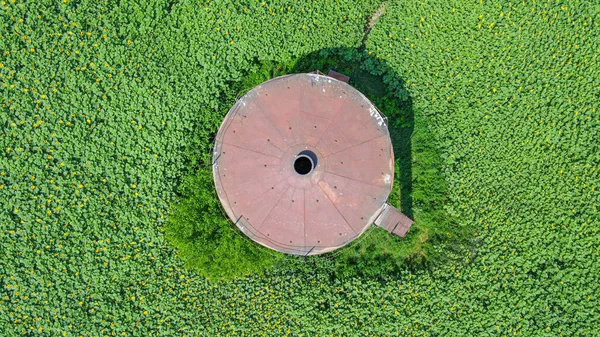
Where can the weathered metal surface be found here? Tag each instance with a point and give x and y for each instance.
(254, 155)
(338, 76)
(393, 221)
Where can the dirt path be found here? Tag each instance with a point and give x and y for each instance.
(372, 21)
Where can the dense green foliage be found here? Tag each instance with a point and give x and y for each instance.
(512, 91)
(105, 108)
(375, 254)
(206, 240)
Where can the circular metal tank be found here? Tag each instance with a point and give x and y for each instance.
(303, 164)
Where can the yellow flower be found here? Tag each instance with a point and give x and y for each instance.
(133, 185)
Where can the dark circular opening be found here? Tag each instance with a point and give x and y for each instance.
(303, 165)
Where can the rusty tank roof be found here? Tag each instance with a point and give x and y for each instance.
(303, 164)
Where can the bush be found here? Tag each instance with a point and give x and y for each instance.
(204, 237)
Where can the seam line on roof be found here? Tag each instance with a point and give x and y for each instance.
(333, 118)
(312, 114)
(268, 136)
(248, 182)
(254, 198)
(273, 126)
(243, 148)
(304, 216)
(343, 217)
(321, 133)
(271, 210)
(353, 146)
(324, 132)
(271, 122)
(258, 132)
(267, 190)
(271, 144)
(358, 181)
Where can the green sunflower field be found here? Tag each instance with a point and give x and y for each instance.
(108, 115)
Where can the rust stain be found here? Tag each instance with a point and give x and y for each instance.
(328, 191)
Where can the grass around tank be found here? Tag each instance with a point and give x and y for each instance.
(106, 108)
(419, 190)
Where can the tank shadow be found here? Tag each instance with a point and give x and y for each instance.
(360, 67)
(419, 188)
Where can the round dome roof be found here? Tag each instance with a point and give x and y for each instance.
(303, 164)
